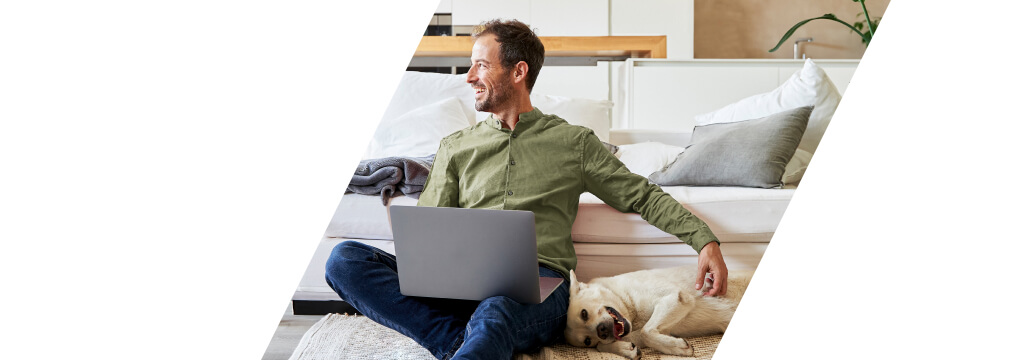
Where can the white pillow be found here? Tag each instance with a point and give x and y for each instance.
(809, 86)
(647, 157)
(590, 113)
(418, 89)
(417, 132)
(796, 167)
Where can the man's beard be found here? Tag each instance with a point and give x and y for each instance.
(495, 97)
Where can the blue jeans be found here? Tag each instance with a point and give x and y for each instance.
(495, 328)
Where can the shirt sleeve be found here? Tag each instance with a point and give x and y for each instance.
(606, 177)
(441, 188)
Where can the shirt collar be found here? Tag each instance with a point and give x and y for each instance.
(524, 118)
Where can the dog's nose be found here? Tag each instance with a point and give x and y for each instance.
(603, 331)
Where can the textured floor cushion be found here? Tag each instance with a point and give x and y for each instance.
(339, 336)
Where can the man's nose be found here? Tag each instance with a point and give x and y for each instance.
(470, 77)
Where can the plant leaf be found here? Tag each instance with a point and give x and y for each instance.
(792, 30)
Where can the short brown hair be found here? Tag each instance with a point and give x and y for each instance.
(518, 43)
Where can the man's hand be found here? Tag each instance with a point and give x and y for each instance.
(713, 264)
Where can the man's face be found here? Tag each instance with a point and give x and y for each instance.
(491, 81)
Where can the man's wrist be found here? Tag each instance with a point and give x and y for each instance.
(717, 244)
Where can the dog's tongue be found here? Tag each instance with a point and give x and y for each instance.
(618, 330)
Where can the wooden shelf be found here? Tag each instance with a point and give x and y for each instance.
(557, 46)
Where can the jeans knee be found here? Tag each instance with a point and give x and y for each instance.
(340, 258)
(496, 308)
(345, 251)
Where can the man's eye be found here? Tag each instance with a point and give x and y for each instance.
(585, 315)
(587, 342)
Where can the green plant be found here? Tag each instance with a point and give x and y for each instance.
(860, 24)
(871, 26)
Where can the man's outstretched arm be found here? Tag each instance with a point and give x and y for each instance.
(609, 179)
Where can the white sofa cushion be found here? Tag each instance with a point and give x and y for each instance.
(647, 157)
(593, 114)
(364, 217)
(796, 167)
(417, 132)
(733, 214)
(809, 86)
(418, 89)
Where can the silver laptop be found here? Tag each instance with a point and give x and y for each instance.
(468, 254)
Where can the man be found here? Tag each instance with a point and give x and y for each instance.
(518, 159)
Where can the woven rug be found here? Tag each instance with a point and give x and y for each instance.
(339, 336)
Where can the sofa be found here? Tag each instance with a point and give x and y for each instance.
(428, 106)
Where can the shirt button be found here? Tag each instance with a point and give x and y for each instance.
(515, 135)
(509, 192)
(513, 162)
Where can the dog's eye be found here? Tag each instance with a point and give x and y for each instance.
(585, 315)
(587, 342)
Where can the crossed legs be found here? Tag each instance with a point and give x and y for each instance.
(367, 278)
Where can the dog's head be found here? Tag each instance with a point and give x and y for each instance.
(594, 315)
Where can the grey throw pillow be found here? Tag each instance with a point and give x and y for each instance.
(751, 153)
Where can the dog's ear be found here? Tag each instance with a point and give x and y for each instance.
(574, 285)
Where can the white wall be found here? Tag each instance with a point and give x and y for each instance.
(444, 7)
(668, 94)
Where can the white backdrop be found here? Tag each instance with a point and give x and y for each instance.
(142, 142)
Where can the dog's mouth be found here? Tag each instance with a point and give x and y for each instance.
(621, 325)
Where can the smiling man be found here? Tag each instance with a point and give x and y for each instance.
(517, 159)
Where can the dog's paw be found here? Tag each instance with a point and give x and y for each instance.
(630, 350)
(623, 348)
(680, 348)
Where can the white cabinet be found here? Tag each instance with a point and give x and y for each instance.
(589, 82)
(549, 18)
(570, 17)
(473, 12)
(673, 18)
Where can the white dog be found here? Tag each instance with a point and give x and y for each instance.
(648, 308)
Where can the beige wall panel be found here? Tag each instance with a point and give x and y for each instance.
(746, 29)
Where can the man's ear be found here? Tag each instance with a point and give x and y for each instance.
(521, 70)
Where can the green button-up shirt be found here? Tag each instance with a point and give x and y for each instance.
(543, 166)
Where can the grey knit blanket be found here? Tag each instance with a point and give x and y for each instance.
(391, 176)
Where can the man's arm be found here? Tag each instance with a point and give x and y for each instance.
(606, 177)
(441, 188)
